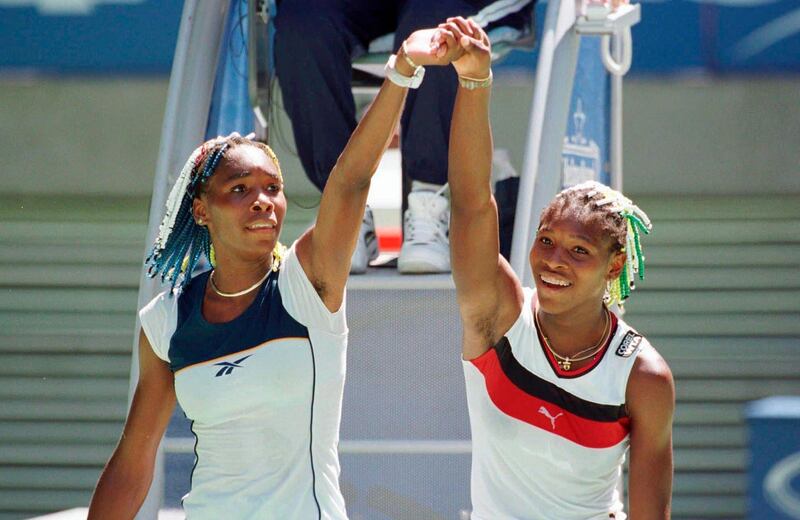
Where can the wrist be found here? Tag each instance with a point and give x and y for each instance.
(475, 82)
(476, 72)
(404, 65)
(395, 74)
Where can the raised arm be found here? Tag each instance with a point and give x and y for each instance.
(651, 403)
(489, 295)
(126, 478)
(325, 250)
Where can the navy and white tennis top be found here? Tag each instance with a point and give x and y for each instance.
(548, 443)
(263, 393)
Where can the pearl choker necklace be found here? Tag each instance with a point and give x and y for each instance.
(240, 293)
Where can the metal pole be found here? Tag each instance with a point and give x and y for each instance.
(616, 116)
(541, 172)
(185, 119)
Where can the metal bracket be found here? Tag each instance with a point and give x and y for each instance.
(259, 65)
(600, 20)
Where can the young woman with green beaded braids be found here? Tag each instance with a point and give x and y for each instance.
(254, 348)
(559, 388)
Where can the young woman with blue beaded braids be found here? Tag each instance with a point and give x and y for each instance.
(558, 387)
(254, 349)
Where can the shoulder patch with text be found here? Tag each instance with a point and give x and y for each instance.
(629, 344)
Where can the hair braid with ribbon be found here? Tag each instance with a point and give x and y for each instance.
(181, 242)
(624, 221)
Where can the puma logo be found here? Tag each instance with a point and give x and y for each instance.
(544, 411)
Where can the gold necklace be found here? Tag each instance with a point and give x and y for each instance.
(565, 362)
(240, 293)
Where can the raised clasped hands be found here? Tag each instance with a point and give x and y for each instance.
(467, 46)
(459, 41)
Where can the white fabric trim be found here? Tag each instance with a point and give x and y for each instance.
(302, 301)
(159, 319)
(498, 10)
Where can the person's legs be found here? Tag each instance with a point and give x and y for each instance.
(314, 44)
(425, 124)
(429, 109)
(425, 133)
(315, 41)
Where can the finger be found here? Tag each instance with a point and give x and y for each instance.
(478, 33)
(440, 43)
(469, 29)
(453, 28)
(454, 50)
(439, 49)
(477, 30)
(479, 41)
(462, 24)
(438, 37)
(447, 41)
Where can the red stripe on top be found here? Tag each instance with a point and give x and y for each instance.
(520, 405)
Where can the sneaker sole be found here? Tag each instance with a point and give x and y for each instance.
(418, 266)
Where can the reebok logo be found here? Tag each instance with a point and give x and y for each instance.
(228, 366)
(629, 344)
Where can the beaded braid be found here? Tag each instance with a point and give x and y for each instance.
(181, 242)
(636, 222)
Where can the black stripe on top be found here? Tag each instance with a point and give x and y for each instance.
(311, 427)
(537, 387)
(195, 340)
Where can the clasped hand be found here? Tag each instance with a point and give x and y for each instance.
(458, 41)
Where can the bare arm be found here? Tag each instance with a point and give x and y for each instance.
(125, 480)
(326, 249)
(489, 295)
(651, 404)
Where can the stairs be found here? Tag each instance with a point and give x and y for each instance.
(721, 302)
(68, 281)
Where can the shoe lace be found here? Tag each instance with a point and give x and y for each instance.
(427, 221)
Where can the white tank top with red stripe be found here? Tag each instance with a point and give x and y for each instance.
(548, 443)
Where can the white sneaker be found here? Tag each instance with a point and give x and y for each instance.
(366, 246)
(426, 246)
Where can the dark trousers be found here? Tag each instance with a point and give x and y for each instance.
(315, 41)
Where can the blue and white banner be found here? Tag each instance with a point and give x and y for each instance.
(585, 155)
(774, 458)
(230, 109)
(716, 36)
(138, 36)
(720, 36)
(88, 36)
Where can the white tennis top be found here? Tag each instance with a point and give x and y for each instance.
(548, 443)
(264, 396)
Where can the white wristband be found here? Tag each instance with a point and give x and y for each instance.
(413, 81)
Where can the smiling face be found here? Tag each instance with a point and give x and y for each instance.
(243, 205)
(571, 261)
